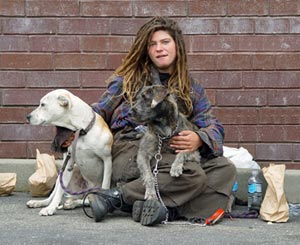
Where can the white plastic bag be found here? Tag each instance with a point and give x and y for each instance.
(240, 157)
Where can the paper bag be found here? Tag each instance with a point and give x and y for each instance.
(7, 183)
(41, 182)
(274, 207)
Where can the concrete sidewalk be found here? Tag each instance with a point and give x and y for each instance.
(24, 168)
(20, 225)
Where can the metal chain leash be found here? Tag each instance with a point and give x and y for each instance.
(158, 158)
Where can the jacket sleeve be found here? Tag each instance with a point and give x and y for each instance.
(109, 100)
(210, 130)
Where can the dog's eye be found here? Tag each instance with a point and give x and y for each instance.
(43, 104)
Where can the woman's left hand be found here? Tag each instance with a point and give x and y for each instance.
(186, 141)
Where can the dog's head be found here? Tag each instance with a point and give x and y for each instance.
(52, 108)
(151, 103)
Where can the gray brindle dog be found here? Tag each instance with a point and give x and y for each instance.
(158, 109)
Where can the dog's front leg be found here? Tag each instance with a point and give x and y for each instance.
(143, 161)
(58, 194)
(177, 165)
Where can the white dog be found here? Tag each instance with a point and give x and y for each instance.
(92, 152)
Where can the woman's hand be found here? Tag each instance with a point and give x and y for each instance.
(186, 141)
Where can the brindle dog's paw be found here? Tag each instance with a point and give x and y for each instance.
(176, 171)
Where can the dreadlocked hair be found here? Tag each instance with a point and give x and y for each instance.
(136, 71)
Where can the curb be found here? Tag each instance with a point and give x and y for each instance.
(24, 168)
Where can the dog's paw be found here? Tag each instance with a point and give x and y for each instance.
(33, 204)
(47, 211)
(176, 171)
(70, 204)
(150, 195)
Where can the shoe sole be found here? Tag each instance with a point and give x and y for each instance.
(137, 210)
(153, 213)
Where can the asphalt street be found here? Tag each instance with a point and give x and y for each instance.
(21, 225)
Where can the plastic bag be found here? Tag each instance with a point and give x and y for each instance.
(240, 157)
(7, 183)
(274, 207)
(41, 182)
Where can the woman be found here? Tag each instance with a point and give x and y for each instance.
(203, 187)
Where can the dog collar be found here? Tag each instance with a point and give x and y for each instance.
(87, 129)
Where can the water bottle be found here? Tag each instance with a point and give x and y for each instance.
(254, 191)
(235, 188)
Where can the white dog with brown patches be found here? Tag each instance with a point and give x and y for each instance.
(92, 152)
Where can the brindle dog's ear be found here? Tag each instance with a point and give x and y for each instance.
(63, 100)
(159, 94)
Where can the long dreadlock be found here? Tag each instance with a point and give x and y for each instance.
(135, 68)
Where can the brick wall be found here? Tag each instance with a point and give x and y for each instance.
(246, 53)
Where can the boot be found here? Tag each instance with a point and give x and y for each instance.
(148, 213)
(106, 201)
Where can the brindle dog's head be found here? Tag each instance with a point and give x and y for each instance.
(152, 104)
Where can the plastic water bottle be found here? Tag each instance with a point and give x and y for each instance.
(235, 188)
(254, 191)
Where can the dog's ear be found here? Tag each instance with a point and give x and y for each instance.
(63, 100)
(159, 94)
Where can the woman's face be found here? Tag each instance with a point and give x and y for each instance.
(162, 51)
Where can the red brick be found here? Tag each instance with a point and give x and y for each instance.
(52, 79)
(240, 133)
(13, 150)
(54, 44)
(271, 25)
(221, 79)
(120, 26)
(279, 115)
(281, 43)
(239, 115)
(52, 8)
(234, 61)
(153, 8)
(13, 114)
(14, 43)
(274, 152)
(88, 95)
(203, 61)
(12, 8)
(295, 25)
(95, 79)
(23, 96)
(255, 7)
(241, 98)
(83, 26)
(236, 25)
(44, 147)
(264, 62)
(26, 61)
(106, 8)
(270, 133)
(17, 132)
(207, 8)
(80, 61)
(292, 133)
(273, 79)
(12, 79)
(220, 43)
(283, 7)
(198, 26)
(284, 97)
(29, 26)
(105, 44)
(288, 61)
(296, 150)
(114, 61)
